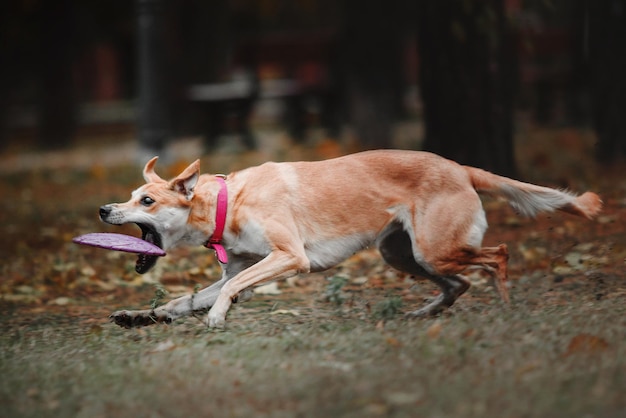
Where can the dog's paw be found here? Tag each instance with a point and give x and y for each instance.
(217, 314)
(135, 319)
(219, 323)
(426, 312)
(216, 321)
(421, 314)
(434, 308)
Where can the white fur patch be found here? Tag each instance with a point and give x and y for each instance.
(251, 240)
(477, 230)
(531, 202)
(330, 252)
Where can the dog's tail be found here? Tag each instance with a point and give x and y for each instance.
(529, 199)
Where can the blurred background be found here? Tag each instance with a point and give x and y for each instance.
(89, 89)
(468, 79)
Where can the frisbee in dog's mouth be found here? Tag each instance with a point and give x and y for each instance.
(149, 247)
(146, 261)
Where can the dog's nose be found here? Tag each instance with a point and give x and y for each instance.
(105, 211)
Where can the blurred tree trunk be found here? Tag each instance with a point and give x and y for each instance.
(57, 104)
(370, 66)
(577, 93)
(154, 119)
(468, 77)
(202, 43)
(607, 62)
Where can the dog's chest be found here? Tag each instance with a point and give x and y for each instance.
(324, 254)
(251, 240)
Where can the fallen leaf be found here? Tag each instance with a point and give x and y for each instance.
(586, 343)
(533, 254)
(285, 312)
(195, 271)
(513, 221)
(607, 219)
(434, 330)
(60, 301)
(584, 247)
(469, 333)
(104, 285)
(26, 290)
(562, 270)
(292, 281)
(166, 345)
(394, 342)
(575, 260)
(88, 271)
(268, 289)
(359, 280)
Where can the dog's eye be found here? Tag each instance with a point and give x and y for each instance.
(146, 201)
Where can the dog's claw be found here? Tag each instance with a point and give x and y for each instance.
(423, 313)
(434, 308)
(136, 319)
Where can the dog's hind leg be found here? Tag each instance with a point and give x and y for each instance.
(450, 236)
(452, 287)
(396, 249)
(492, 259)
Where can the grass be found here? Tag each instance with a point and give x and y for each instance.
(334, 292)
(329, 346)
(388, 308)
(490, 361)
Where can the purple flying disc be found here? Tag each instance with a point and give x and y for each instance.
(119, 242)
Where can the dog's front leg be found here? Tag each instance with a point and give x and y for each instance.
(277, 265)
(172, 310)
(188, 304)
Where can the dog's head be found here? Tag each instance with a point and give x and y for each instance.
(161, 209)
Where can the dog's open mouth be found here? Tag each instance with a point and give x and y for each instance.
(144, 261)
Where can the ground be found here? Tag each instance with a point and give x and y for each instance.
(329, 344)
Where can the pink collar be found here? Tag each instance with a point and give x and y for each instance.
(215, 242)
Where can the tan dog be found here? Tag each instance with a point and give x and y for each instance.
(280, 219)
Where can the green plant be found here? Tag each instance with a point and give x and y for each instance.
(333, 292)
(159, 294)
(388, 308)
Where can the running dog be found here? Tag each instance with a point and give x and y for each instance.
(422, 212)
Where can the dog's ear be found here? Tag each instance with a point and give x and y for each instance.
(187, 180)
(148, 172)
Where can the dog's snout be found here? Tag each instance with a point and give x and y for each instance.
(105, 211)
